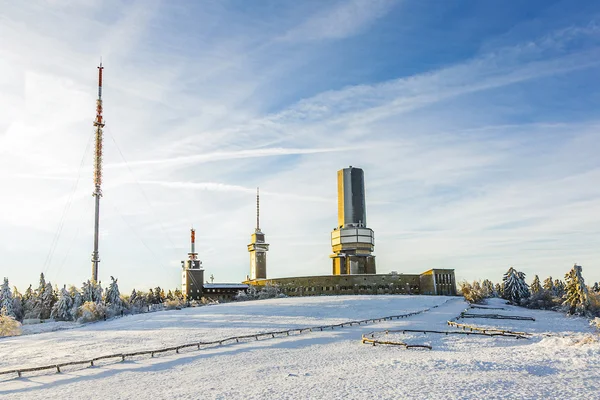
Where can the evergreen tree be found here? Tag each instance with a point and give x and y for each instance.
(6, 300)
(576, 293)
(38, 308)
(47, 301)
(488, 288)
(170, 295)
(499, 290)
(150, 297)
(77, 302)
(515, 287)
(157, 295)
(133, 298)
(549, 285)
(28, 302)
(62, 310)
(596, 287)
(535, 285)
(178, 295)
(559, 288)
(113, 296)
(18, 304)
(91, 291)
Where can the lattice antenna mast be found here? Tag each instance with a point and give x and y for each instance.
(257, 211)
(99, 124)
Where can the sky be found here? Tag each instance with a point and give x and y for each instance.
(475, 123)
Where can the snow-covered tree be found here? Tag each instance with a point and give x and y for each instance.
(499, 290)
(515, 287)
(596, 288)
(113, 296)
(6, 299)
(77, 302)
(28, 302)
(536, 287)
(549, 285)
(18, 304)
(47, 301)
(487, 288)
(170, 295)
(38, 310)
(150, 298)
(62, 310)
(559, 288)
(177, 294)
(576, 294)
(91, 291)
(158, 295)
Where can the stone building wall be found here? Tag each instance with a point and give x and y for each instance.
(359, 284)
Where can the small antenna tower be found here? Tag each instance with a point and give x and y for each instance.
(257, 211)
(99, 124)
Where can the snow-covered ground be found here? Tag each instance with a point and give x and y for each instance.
(329, 364)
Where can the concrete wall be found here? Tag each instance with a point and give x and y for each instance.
(364, 284)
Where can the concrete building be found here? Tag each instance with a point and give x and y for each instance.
(432, 282)
(352, 241)
(258, 248)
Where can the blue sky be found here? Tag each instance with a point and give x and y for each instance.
(475, 121)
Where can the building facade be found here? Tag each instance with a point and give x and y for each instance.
(432, 282)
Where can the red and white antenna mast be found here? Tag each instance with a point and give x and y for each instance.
(99, 124)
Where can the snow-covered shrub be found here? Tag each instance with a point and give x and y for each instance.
(173, 304)
(269, 292)
(472, 293)
(241, 296)
(542, 300)
(91, 311)
(595, 323)
(9, 326)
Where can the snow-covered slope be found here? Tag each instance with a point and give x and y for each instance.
(329, 364)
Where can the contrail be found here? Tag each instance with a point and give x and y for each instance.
(230, 155)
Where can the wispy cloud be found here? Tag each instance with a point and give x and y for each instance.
(467, 166)
(344, 19)
(231, 155)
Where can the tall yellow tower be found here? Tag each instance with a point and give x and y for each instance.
(258, 248)
(351, 241)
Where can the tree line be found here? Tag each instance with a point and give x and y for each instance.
(570, 295)
(88, 303)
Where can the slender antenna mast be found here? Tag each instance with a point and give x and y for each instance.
(99, 124)
(257, 211)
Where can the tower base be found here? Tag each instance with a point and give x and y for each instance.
(352, 264)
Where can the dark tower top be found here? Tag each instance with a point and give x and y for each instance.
(351, 197)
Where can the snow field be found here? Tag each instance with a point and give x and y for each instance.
(329, 364)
